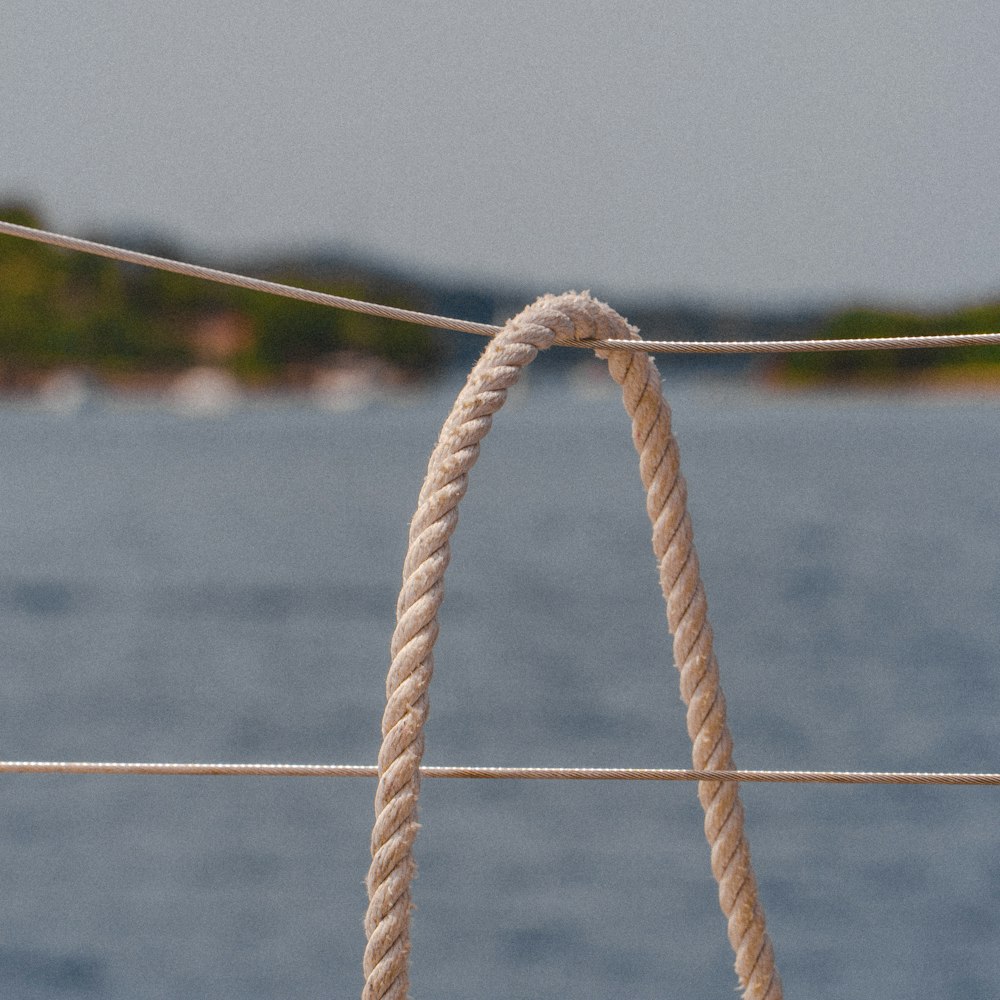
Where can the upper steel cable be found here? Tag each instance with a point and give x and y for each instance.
(487, 329)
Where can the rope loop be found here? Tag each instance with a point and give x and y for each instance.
(573, 318)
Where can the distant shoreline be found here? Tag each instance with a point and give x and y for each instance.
(945, 380)
(354, 380)
(340, 383)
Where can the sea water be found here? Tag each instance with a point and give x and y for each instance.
(222, 587)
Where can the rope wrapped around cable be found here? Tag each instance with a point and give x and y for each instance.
(552, 319)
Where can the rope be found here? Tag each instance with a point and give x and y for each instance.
(522, 773)
(487, 329)
(575, 317)
(687, 617)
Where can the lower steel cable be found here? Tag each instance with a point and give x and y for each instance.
(529, 773)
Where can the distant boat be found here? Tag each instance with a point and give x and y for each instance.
(351, 384)
(69, 391)
(205, 392)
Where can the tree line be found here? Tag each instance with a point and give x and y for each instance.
(60, 308)
(896, 366)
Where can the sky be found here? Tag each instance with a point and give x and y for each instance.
(718, 151)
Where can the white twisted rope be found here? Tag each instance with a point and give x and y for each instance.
(392, 869)
(687, 617)
(550, 319)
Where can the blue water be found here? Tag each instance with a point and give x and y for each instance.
(222, 588)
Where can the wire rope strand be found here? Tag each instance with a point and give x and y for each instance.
(798, 346)
(243, 281)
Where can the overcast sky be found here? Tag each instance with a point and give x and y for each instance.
(748, 153)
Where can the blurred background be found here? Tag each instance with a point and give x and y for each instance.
(206, 490)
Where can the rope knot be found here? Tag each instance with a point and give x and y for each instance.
(574, 318)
